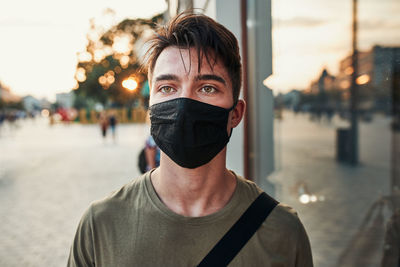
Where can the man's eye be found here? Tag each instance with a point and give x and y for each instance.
(208, 89)
(166, 89)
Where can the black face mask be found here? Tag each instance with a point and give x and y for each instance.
(190, 132)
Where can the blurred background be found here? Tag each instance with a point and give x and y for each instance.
(321, 132)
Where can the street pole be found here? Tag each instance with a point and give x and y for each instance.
(354, 93)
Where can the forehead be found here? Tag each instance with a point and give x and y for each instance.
(186, 62)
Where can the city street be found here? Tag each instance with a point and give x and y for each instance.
(50, 174)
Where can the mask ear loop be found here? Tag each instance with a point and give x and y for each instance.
(234, 105)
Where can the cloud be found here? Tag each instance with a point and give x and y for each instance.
(299, 22)
(379, 24)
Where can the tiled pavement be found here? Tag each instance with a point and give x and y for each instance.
(50, 174)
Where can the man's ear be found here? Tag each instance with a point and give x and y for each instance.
(237, 113)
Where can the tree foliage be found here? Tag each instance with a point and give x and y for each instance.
(111, 56)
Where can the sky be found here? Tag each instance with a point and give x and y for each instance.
(309, 35)
(39, 39)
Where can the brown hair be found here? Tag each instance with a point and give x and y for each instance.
(207, 36)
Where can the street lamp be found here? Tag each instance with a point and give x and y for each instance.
(130, 84)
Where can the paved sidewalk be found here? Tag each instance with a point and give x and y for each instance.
(48, 176)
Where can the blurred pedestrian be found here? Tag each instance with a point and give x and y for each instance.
(152, 151)
(113, 124)
(181, 213)
(103, 122)
(2, 118)
(11, 118)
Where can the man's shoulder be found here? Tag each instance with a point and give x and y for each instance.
(282, 216)
(120, 199)
(284, 226)
(286, 216)
(248, 188)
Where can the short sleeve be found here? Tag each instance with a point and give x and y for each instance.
(303, 249)
(81, 253)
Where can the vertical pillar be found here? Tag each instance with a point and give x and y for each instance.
(260, 98)
(354, 93)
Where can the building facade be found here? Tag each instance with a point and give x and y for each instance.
(376, 77)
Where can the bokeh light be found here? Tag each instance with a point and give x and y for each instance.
(102, 80)
(80, 74)
(122, 44)
(363, 79)
(130, 84)
(45, 113)
(124, 61)
(305, 198)
(84, 57)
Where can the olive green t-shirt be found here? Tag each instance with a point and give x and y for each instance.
(133, 227)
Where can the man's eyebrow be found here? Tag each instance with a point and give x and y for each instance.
(214, 77)
(167, 77)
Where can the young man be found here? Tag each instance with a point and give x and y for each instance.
(176, 213)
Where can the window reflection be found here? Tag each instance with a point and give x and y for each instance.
(351, 211)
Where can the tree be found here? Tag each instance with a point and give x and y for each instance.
(111, 57)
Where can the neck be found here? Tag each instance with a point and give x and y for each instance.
(194, 192)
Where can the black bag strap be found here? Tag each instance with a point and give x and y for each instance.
(241, 232)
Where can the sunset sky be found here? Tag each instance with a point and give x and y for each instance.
(40, 39)
(309, 35)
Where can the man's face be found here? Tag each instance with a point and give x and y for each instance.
(176, 75)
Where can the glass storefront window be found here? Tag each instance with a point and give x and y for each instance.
(346, 195)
